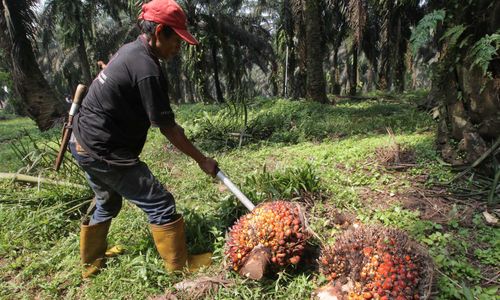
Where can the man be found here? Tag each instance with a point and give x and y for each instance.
(127, 97)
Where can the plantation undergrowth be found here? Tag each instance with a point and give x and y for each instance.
(322, 156)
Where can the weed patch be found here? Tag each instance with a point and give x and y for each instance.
(321, 155)
(292, 122)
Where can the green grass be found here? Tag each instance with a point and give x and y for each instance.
(12, 130)
(294, 147)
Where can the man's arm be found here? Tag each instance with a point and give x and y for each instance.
(177, 137)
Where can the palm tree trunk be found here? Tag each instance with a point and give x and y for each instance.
(201, 81)
(40, 102)
(370, 78)
(384, 47)
(218, 90)
(166, 75)
(400, 59)
(273, 79)
(336, 73)
(316, 86)
(353, 76)
(175, 74)
(300, 78)
(189, 91)
(82, 52)
(288, 20)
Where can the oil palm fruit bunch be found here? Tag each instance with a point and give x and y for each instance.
(377, 263)
(277, 226)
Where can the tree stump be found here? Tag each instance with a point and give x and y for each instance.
(256, 265)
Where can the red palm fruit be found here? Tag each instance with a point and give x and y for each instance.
(295, 260)
(387, 284)
(409, 276)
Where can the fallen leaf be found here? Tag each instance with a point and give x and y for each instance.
(199, 287)
(490, 219)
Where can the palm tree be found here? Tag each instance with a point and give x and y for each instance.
(385, 44)
(69, 18)
(3, 94)
(16, 32)
(316, 86)
(369, 42)
(396, 19)
(335, 33)
(233, 42)
(299, 31)
(75, 22)
(286, 47)
(351, 24)
(60, 62)
(357, 18)
(308, 37)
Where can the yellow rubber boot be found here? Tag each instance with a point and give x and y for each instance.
(170, 240)
(93, 246)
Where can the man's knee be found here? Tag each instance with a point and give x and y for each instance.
(115, 201)
(107, 208)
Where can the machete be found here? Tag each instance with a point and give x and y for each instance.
(68, 129)
(235, 190)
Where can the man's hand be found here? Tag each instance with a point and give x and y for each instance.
(209, 166)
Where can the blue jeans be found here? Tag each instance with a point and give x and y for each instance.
(136, 183)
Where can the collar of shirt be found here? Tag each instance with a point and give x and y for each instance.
(146, 45)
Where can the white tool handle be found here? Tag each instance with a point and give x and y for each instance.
(235, 190)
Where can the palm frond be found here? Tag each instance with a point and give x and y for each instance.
(19, 19)
(47, 23)
(425, 29)
(484, 51)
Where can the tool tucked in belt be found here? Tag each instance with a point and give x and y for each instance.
(79, 149)
(68, 129)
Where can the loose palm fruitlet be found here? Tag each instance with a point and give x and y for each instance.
(379, 263)
(277, 226)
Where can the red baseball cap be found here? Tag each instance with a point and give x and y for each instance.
(168, 12)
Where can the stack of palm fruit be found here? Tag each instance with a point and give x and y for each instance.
(376, 263)
(274, 230)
